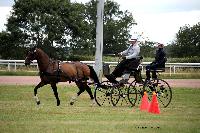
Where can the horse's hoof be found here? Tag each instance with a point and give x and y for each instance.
(71, 103)
(93, 103)
(58, 103)
(38, 102)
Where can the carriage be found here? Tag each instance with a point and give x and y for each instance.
(130, 93)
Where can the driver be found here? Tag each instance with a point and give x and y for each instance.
(130, 58)
(159, 62)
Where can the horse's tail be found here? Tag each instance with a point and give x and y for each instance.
(93, 75)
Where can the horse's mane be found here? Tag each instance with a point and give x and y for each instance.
(42, 53)
(46, 56)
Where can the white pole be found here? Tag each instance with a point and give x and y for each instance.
(99, 39)
(15, 66)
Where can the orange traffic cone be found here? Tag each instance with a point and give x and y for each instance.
(145, 103)
(154, 106)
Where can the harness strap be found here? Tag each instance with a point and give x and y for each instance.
(58, 71)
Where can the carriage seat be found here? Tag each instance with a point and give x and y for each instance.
(132, 70)
(135, 65)
(135, 72)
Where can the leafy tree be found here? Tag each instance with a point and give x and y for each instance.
(117, 26)
(46, 23)
(147, 49)
(187, 43)
(10, 46)
(62, 28)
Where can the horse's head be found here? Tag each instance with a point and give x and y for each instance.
(30, 56)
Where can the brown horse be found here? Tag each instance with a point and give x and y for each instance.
(54, 71)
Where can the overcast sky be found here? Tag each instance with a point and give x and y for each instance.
(159, 20)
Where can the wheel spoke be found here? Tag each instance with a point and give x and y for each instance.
(103, 95)
(115, 96)
(132, 92)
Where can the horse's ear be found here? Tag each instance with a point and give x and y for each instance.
(26, 51)
(33, 49)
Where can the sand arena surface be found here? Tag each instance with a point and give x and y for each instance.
(34, 80)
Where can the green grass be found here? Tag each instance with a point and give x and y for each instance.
(20, 114)
(19, 73)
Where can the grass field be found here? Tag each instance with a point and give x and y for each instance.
(20, 114)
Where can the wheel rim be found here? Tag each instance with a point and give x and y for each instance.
(123, 96)
(133, 91)
(115, 95)
(103, 95)
(163, 91)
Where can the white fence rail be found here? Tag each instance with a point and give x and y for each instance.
(172, 66)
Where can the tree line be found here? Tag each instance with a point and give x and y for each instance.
(62, 29)
(187, 42)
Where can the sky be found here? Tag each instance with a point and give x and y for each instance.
(158, 20)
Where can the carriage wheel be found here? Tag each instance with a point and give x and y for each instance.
(162, 89)
(119, 96)
(115, 95)
(103, 95)
(133, 90)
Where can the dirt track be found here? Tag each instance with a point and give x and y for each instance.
(34, 80)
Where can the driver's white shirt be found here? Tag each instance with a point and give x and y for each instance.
(132, 51)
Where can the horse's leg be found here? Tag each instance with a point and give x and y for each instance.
(54, 88)
(35, 92)
(89, 91)
(81, 89)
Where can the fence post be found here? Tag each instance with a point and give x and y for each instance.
(174, 69)
(170, 70)
(8, 66)
(15, 66)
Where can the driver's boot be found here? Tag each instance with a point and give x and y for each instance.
(111, 78)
